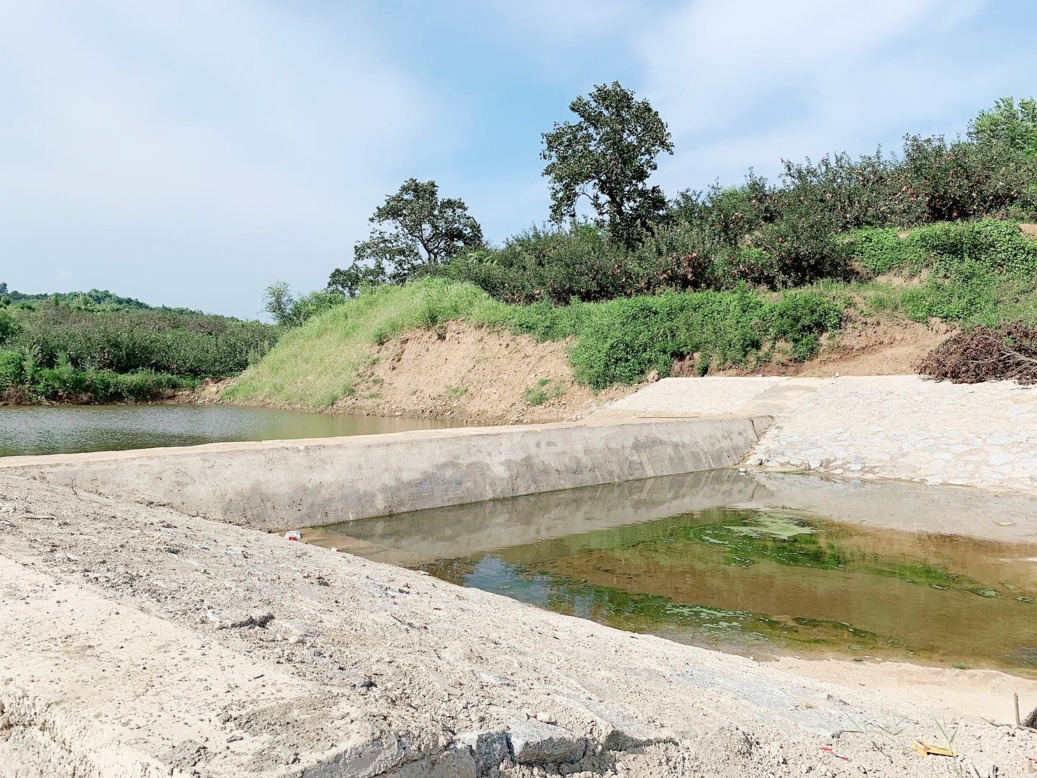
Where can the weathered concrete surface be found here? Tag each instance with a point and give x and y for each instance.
(305, 483)
(138, 641)
(903, 427)
(92, 687)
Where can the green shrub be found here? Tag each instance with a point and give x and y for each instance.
(802, 245)
(11, 371)
(999, 246)
(880, 250)
(8, 326)
(190, 344)
(844, 192)
(622, 340)
(979, 272)
(940, 181)
(582, 263)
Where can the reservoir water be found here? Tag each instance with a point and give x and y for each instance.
(754, 564)
(73, 429)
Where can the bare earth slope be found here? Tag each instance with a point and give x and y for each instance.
(477, 374)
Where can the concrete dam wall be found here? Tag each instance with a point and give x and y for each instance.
(304, 483)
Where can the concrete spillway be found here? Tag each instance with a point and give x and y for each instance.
(305, 483)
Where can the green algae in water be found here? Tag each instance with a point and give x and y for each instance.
(771, 525)
(752, 581)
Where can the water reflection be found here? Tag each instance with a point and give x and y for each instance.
(727, 560)
(67, 430)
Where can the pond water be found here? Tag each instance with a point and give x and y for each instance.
(729, 561)
(73, 429)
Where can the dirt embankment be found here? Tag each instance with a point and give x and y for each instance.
(488, 376)
(465, 372)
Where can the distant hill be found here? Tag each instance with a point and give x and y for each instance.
(95, 299)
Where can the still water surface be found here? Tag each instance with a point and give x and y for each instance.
(67, 430)
(722, 560)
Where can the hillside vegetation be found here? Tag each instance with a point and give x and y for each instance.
(735, 276)
(967, 273)
(97, 347)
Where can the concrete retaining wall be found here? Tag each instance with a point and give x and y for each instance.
(305, 483)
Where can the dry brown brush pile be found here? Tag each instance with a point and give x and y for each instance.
(1007, 352)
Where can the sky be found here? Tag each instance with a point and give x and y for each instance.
(190, 152)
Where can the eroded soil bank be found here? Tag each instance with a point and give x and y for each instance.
(140, 641)
(491, 376)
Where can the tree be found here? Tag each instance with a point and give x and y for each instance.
(1005, 123)
(607, 157)
(290, 311)
(420, 232)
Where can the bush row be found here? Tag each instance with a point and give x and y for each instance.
(619, 341)
(23, 380)
(127, 340)
(777, 236)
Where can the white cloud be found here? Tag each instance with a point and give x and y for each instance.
(747, 82)
(130, 124)
(712, 60)
(568, 21)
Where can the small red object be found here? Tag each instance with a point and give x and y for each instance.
(829, 750)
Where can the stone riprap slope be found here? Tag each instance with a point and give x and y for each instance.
(139, 641)
(903, 427)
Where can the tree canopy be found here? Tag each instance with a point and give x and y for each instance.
(607, 156)
(415, 230)
(1009, 124)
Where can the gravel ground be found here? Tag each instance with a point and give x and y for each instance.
(313, 663)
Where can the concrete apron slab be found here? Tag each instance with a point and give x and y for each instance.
(892, 427)
(305, 483)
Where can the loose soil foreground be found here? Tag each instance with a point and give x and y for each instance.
(164, 644)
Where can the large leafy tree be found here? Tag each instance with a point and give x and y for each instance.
(414, 231)
(607, 156)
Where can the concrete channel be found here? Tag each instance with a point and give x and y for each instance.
(306, 483)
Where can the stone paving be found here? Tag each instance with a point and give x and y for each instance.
(903, 427)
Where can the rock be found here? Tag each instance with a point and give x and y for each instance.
(489, 749)
(237, 619)
(536, 743)
(455, 763)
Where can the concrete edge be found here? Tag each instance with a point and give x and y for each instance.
(306, 483)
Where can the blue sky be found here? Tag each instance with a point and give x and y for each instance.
(191, 152)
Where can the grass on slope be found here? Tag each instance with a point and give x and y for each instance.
(969, 273)
(617, 341)
(317, 363)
